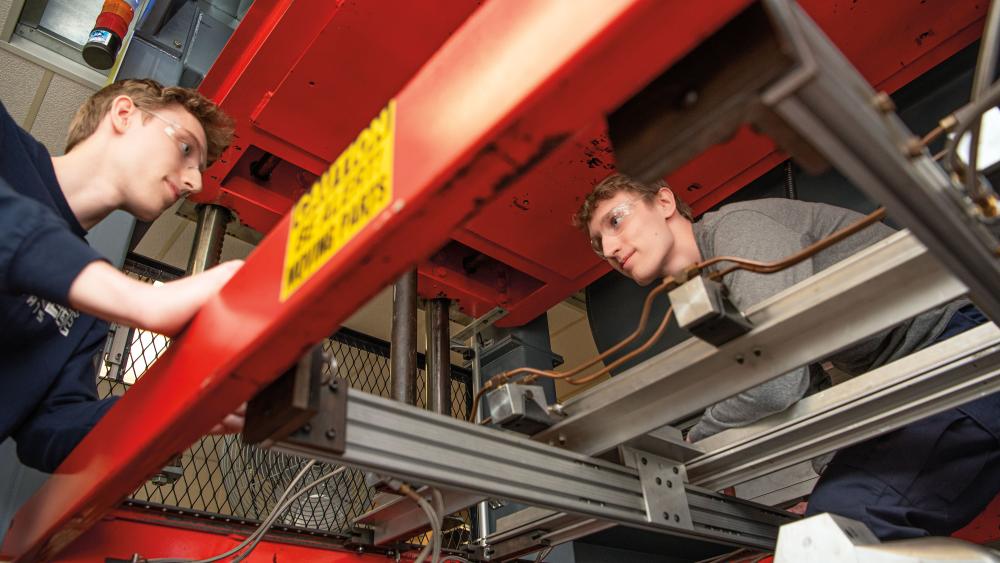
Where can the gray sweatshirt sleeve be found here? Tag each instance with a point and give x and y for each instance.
(753, 235)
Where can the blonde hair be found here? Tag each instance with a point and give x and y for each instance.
(151, 95)
(608, 187)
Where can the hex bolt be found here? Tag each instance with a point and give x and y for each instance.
(333, 385)
(331, 434)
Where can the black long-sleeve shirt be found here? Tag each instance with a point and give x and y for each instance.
(48, 391)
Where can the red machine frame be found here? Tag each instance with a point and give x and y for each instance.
(298, 100)
(544, 76)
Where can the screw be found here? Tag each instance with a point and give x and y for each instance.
(306, 428)
(333, 385)
(677, 518)
(913, 147)
(331, 434)
(644, 461)
(670, 484)
(659, 481)
(676, 471)
(740, 359)
(666, 515)
(883, 103)
(177, 44)
(757, 352)
(562, 439)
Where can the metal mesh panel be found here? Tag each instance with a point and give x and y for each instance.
(224, 476)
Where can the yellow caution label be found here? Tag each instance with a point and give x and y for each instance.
(356, 188)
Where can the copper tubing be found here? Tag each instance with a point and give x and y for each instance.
(500, 379)
(934, 134)
(652, 339)
(771, 267)
(668, 283)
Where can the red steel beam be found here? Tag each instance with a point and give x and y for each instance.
(515, 82)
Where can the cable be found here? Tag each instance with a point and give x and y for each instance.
(251, 541)
(438, 500)
(288, 504)
(543, 554)
(435, 544)
(718, 558)
(241, 545)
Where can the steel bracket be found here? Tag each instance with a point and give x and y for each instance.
(662, 481)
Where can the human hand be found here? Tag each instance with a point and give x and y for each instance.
(232, 423)
(103, 291)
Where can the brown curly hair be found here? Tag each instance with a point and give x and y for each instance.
(608, 187)
(151, 95)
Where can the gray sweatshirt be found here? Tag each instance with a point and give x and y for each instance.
(771, 229)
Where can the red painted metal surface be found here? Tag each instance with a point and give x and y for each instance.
(303, 78)
(125, 532)
(498, 136)
(985, 529)
(525, 78)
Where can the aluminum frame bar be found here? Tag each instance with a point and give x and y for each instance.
(891, 281)
(831, 105)
(946, 375)
(386, 436)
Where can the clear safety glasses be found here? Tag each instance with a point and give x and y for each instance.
(612, 224)
(187, 143)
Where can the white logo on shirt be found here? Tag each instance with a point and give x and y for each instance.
(64, 316)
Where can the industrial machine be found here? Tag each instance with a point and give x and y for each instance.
(375, 138)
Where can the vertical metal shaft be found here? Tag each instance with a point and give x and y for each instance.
(208, 238)
(986, 64)
(403, 347)
(482, 529)
(438, 356)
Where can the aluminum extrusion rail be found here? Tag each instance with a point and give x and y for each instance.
(410, 443)
(831, 105)
(946, 375)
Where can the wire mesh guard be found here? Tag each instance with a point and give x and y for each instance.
(224, 476)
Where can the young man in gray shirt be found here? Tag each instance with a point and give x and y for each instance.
(929, 478)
